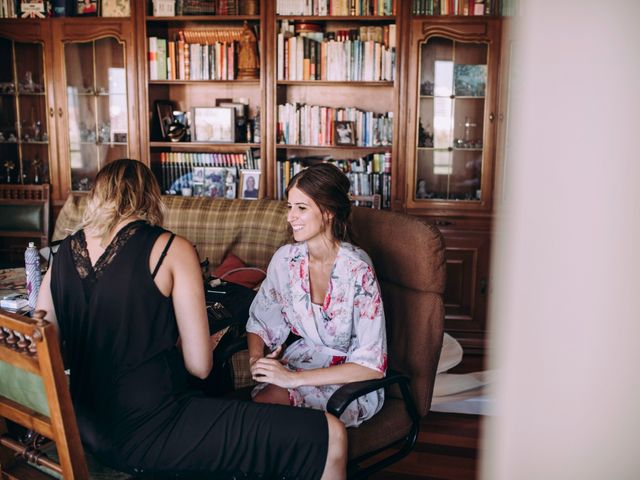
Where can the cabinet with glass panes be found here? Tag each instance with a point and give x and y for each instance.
(66, 100)
(205, 95)
(450, 164)
(336, 92)
(27, 146)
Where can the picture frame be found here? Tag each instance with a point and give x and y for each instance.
(87, 8)
(344, 132)
(164, 110)
(115, 8)
(32, 8)
(215, 182)
(240, 108)
(250, 184)
(214, 124)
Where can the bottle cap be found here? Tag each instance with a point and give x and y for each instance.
(32, 245)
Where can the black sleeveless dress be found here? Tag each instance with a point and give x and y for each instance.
(135, 409)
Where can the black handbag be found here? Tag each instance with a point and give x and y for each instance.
(227, 307)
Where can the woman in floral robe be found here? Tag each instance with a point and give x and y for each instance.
(322, 289)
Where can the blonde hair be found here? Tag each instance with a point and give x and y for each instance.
(123, 189)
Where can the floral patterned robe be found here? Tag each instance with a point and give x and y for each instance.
(348, 327)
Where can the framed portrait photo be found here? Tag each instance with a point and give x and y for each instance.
(344, 133)
(115, 8)
(86, 8)
(214, 124)
(250, 184)
(164, 110)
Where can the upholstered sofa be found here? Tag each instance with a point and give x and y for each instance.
(408, 257)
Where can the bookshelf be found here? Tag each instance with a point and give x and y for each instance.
(196, 70)
(336, 66)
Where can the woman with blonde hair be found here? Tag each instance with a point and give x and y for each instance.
(122, 290)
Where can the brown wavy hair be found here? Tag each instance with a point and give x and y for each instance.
(328, 187)
(123, 189)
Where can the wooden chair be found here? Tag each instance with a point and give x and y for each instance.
(34, 394)
(24, 215)
(25, 212)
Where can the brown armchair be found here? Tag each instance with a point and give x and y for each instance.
(409, 261)
(408, 257)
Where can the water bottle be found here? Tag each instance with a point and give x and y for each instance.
(32, 269)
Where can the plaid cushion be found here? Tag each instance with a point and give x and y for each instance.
(253, 230)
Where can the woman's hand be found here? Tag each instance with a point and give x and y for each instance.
(270, 370)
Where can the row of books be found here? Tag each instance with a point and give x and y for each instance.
(302, 58)
(179, 60)
(368, 175)
(385, 34)
(336, 7)
(302, 124)
(210, 7)
(455, 7)
(206, 174)
(8, 9)
(241, 160)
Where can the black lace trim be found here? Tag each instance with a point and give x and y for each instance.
(81, 253)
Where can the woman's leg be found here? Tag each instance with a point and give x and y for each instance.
(272, 394)
(335, 467)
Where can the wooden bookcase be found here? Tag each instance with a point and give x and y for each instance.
(464, 216)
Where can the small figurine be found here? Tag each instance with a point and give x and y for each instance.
(248, 63)
(9, 165)
(35, 165)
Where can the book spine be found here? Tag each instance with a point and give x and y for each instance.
(153, 58)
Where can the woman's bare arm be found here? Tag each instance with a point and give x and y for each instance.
(181, 277)
(45, 299)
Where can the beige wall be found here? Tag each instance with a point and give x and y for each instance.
(566, 296)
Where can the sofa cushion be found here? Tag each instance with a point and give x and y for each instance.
(234, 270)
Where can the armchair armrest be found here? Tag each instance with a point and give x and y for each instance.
(346, 394)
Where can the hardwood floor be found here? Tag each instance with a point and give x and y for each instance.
(447, 449)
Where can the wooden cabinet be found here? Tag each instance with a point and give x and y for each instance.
(70, 111)
(451, 109)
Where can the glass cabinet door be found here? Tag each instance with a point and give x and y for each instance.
(96, 91)
(451, 112)
(24, 123)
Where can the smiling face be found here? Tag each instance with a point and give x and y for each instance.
(306, 220)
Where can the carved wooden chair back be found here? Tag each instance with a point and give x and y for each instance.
(34, 394)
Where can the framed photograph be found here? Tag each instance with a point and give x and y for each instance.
(240, 108)
(165, 109)
(115, 8)
(32, 8)
(87, 7)
(344, 133)
(249, 184)
(214, 124)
